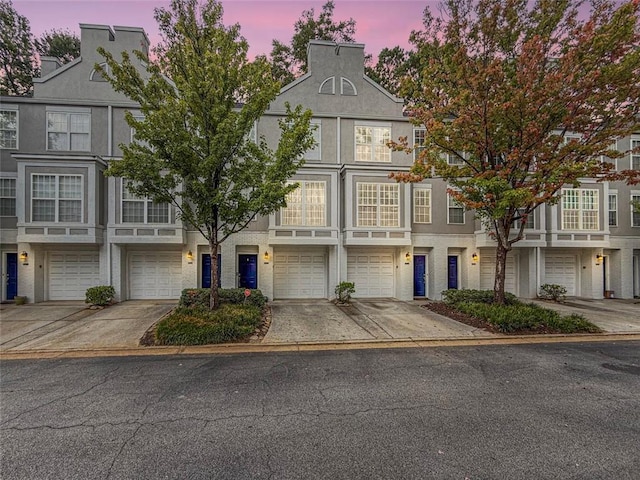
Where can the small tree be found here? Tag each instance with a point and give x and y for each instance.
(193, 148)
(501, 83)
(61, 44)
(17, 67)
(290, 60)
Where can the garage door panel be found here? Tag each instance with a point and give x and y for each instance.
(155, 275)
(372, 273)
(70, 274)
(488, 271)
(300, 275)
(561, 270)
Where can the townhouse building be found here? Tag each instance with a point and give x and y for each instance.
(66, 226)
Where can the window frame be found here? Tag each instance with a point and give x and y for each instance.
(146, 202)
(8, 109)
(634, 196)
(8, 197)
(428, 206)
(56, 198)
(634, 157)
(418, 147)
(305, 205)
(315, 154)
(377, 205)
(450, 205)
(68, 132)
(614, 211)
(580, 211)
(374, 138)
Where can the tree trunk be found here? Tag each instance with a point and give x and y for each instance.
(214, 298)
(501, 271)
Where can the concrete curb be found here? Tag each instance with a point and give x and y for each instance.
(238, 348)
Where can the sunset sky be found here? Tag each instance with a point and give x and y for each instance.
(379, 23)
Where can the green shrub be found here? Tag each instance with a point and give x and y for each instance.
(101, 295)
(552, 291)
(344, 290)
(198, 325)
(455, 297)
(200, 297)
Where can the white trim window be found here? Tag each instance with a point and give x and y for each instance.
(315, 153)
(7, 197)
(635, 209)
(68, 131)
(141, 209)
(455, 159)
(371, 143)
(8, 128)
(580, 209)
(422, 205)
(419, 135)
(378, 205)
(613, 209)
(530, 225)
(455, 211)
(56, 198)
(138, 118)
(614, 161)
(306, 205)
(635, 157)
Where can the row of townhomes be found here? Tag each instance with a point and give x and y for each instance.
(66, 226)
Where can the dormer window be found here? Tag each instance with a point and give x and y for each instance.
(328, 87)
(97, 76)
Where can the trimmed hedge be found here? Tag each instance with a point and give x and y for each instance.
(200, 326)
(199, 297)
(453, 297)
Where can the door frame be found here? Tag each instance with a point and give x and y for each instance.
(425, 276)
(457, 257)
(254, 255)
(5, 274)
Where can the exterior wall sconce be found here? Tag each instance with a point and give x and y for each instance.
(190, 256)
(599, 259)
(474, 259)
(24, 258)
(407, 258)
(266, 256)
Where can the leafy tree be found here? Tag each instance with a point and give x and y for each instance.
(289, 61)
(193, 148)
(61, 44)
(504, 82)
(393, 65)
(17, 68)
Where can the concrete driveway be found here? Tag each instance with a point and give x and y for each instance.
(372, 319)
(71, 325)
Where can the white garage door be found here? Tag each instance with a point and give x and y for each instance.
(70, 274)
(300, 274)
(488, 272)
(561, 270)
(372, 273)
(155, 275)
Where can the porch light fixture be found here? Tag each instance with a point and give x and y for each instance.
(190, 256)
(474, 258)
(407, 258)
(599, 258)
(266, 256)
(24, 258)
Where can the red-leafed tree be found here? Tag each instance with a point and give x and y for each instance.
(501, 83)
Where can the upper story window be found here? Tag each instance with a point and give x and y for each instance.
(69, 131)
(56, 198)
(371, 144)
(141, 209)
(328, 86)
(580, 209)
(347, 87)
(378, 205)
(97, 76)
(613, 210)
(7, 197)
(422, 205)
(419, 135)
(529, 225)
(605, 158)
(315, 152)
(306, 205)
(635, 209)
(8, 128)
(455, 211)
(635, 157)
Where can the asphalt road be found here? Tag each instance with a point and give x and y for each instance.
(508, 412)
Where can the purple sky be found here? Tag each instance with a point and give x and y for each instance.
(379, 23)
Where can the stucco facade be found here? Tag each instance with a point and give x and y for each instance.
(347, 222)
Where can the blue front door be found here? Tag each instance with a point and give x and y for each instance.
(452, 272)
(419, 272)
(206, 270)
(12, 275)
(248, 268)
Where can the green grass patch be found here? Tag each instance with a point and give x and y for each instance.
(516, 316)
(201, 326)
